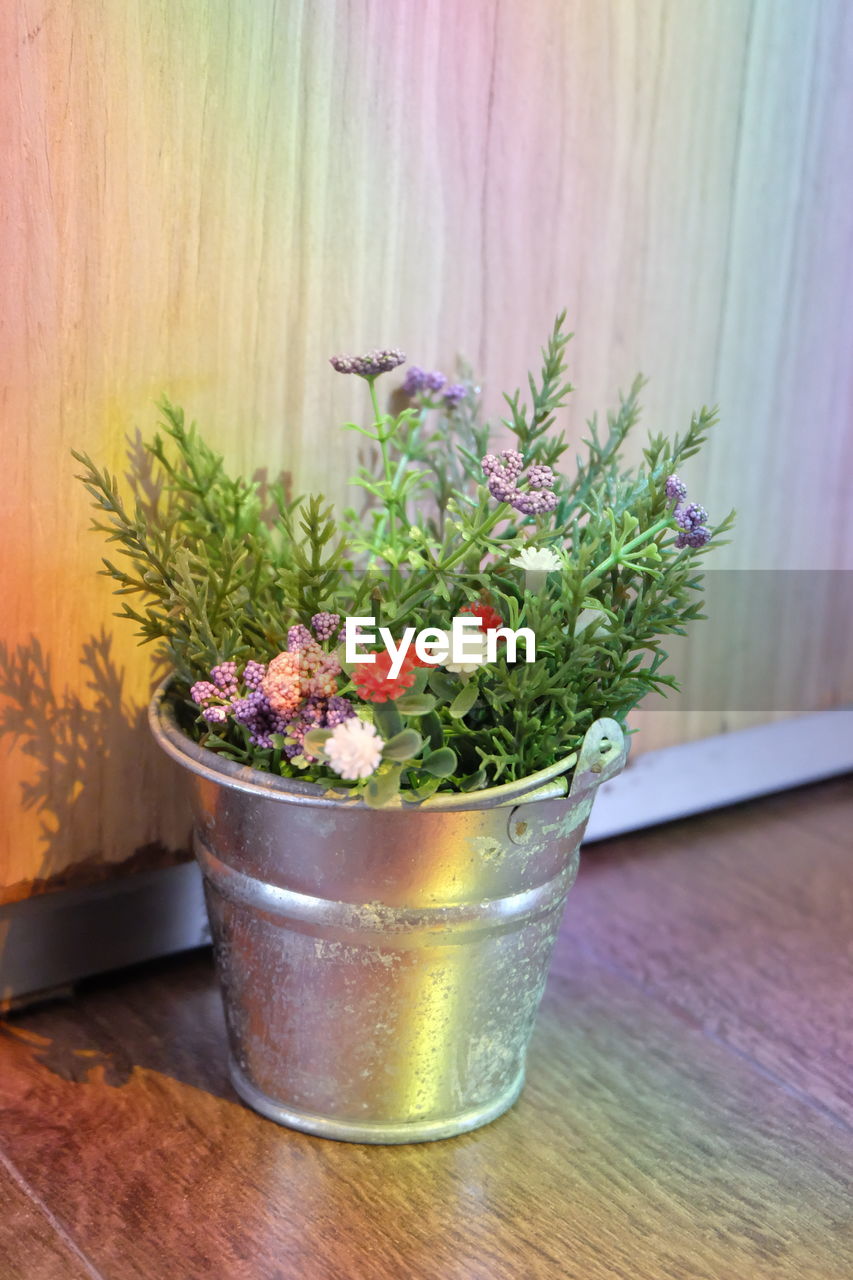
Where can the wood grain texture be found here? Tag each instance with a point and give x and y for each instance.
(208, 199)
(646, 1146)
(30, 1245)
(638, 1150)
(741, 925)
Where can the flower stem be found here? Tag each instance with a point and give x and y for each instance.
(616, 557)
(402, 467)
(390, 496)
(486, 527)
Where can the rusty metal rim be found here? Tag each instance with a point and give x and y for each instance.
(215, 768)
(384, 1134)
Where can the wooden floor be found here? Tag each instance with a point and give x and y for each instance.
(688, 1111)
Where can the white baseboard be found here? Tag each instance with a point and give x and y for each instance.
(675, 782)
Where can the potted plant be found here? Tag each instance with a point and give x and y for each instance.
(395, 722)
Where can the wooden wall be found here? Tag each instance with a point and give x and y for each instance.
(208, 197)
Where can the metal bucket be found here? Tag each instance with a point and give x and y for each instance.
(381, 970)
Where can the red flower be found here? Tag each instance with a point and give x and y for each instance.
(490, 619)
(374, 682)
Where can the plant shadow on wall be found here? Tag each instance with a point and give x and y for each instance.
(91, 772)
(95, 768)
(88, 769)
(90, 756)
(91, 752)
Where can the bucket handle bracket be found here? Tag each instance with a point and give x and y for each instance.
(603, 753)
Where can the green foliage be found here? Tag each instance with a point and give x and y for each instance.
(211, 568)
(404, 745)
(532, 427)
(464, 700)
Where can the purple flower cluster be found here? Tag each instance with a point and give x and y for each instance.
(454, 395)
(371, 364)
(220, 697)
(690, 517)
(676, 490)
(505, 472)
(241, 696)
(224, 676)
(253, 674)
(216, 714)
(421, 381)
(316, 713)
(539, 477)
(338, 709)
(418, 380)
(204, 693)
(298, 637)
(255, 713)
(325, 624)
(502, 473)
(216, 694)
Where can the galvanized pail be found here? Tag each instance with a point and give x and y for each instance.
(381, 969)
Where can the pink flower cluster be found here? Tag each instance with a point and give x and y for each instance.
(303, 671)
(504, 474)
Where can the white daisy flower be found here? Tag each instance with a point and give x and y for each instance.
(354, 749)
(537, 563)
(538, 560)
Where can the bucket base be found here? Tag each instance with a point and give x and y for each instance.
(383, 1134)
